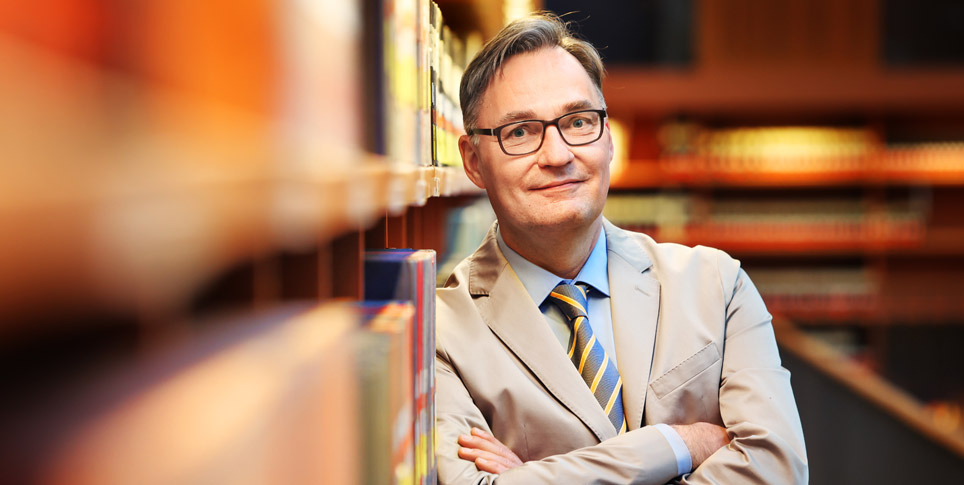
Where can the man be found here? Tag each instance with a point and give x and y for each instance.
(571, 351)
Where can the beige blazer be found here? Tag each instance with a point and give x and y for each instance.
(693, 343)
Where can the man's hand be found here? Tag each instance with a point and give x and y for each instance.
(488, 453)
(702, 439)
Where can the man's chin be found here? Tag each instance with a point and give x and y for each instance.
(566, 220)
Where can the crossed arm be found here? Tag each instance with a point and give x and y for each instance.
(527, 438)
(550, 446)
(490, 455)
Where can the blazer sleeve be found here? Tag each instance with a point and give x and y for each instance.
(756, 401)
(642, 456)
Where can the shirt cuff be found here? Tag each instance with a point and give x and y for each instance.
(684, 462)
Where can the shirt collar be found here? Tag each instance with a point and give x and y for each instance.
(539, 282)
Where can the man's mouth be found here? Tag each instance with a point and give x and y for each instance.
(558, 183)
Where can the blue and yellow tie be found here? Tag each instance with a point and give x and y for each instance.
(588, 354)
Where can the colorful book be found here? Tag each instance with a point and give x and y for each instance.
(409, 275)
(385, 367)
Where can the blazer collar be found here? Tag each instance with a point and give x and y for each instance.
(515, 319)
(635, 308)
(622, 243)
(487, 263)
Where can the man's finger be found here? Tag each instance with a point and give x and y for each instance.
(485, 460)
(487, 452)
(499, 447)
(488, 444)
(490, 466)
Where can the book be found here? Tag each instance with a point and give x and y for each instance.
(409, 275)
(385, 364)
(449, 61)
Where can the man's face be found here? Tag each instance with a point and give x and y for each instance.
(558, 186)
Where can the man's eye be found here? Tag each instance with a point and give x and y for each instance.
(578, 123)
(518, 133)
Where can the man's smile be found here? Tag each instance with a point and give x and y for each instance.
(559, 184)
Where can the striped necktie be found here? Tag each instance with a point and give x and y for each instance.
(588, 355)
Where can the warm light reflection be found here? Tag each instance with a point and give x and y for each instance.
(947, 416)
(514, 9)
(620, 148)
(774, 145)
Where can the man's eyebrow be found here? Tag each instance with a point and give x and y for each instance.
(577, 105)
(516, 116)
(531, 115)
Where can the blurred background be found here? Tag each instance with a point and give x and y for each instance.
(188, 191)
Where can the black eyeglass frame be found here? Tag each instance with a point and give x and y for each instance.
(545, 125)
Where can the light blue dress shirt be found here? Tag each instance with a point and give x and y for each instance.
(539, 282)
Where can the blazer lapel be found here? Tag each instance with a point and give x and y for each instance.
(634, 296)
(516, 320)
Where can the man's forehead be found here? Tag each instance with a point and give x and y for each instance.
(515, 89)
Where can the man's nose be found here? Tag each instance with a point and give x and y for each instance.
(555, 150)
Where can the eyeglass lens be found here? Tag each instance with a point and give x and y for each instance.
(577, 128)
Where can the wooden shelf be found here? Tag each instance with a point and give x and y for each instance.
(934, 244)
(888, 168)
(865, 383)
(453, 182)
(146, 237)
(819, 89)
(774, 238)
(868, 310)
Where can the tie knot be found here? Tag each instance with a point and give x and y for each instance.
(571, 299)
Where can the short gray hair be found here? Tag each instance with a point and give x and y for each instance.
(528, 34)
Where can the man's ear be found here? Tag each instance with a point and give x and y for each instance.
(470, 160)
(609, 135)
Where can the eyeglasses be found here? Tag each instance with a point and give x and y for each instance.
(524, 137)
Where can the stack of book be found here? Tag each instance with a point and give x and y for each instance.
(418, 65)
(409, 275)
(807, 292)
(450, 58)
(785, 149)
(687, 153)
(771, 223)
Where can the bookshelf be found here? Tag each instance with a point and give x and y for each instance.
(806, 90)
(184, 180)
(794, 196)
(99, 210)
(805, 139)
(926, 165)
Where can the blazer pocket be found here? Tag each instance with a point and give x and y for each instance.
(686, 370)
